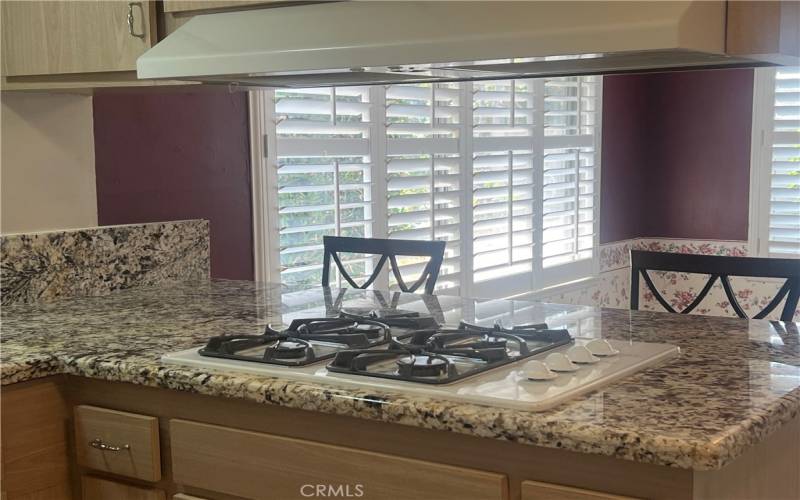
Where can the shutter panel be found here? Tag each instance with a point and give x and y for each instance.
(569, 177)
(784, 189)
(503, 179)
(323, 177)
(423, 173)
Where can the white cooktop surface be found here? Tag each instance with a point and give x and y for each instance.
(506, 386)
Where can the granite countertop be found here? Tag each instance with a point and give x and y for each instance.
(735, 382)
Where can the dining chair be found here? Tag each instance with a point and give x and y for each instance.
(719, 268)
(388, 250)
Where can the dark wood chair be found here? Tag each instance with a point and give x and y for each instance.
(719, 268)
(388, 250)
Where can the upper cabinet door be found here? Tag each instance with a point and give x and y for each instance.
(58, 37)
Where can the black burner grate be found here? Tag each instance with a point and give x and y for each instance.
(305, 341)
(444, 355)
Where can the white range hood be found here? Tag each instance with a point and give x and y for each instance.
(354, 43)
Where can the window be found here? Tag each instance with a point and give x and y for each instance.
(505, 172)
(775, 168)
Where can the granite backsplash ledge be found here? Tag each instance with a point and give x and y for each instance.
(45, 266)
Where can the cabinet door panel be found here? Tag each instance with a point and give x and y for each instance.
(56, 37)
(263, 466)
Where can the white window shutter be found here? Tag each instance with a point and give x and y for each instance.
(504, 171)
(784, 182)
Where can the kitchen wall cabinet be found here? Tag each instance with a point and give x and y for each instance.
(765, 30)
(53, 37)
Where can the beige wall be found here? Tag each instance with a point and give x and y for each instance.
(46, 162)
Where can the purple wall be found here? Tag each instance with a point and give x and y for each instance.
(676, 155)
(624, 145)
(178, 155)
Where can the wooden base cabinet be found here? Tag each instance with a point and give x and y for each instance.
(189, 446)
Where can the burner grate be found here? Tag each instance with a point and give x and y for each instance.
(399, 318)
(445, 355)
(305, 341)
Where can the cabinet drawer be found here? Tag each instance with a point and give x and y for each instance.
(118, 442)
(256, 465)
(95, 488)
(534, 490)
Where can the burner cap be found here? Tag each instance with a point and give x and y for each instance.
(287, 349)
(421, 366)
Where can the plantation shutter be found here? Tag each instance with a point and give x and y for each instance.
(784, 182)
(503, 171)
(568, 192)
(503, 184)
(423, 185)
(323, 177)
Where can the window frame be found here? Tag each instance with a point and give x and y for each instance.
(265, 205)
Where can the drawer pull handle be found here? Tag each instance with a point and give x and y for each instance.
(100, 445)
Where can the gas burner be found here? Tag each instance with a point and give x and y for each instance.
(305, 341)
(288, 349)
(430, 365)
(399, 318)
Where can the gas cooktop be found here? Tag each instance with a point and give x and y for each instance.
(526, 366)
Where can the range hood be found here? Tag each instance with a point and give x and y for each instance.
(367, 43)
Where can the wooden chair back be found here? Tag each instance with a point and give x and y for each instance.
(719, 268)
(389, 250)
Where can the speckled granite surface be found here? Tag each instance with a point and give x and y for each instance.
(45, 266)
(735, 382)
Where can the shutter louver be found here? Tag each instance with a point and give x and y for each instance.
(423, 174)
(323, 176)
(784, 189)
